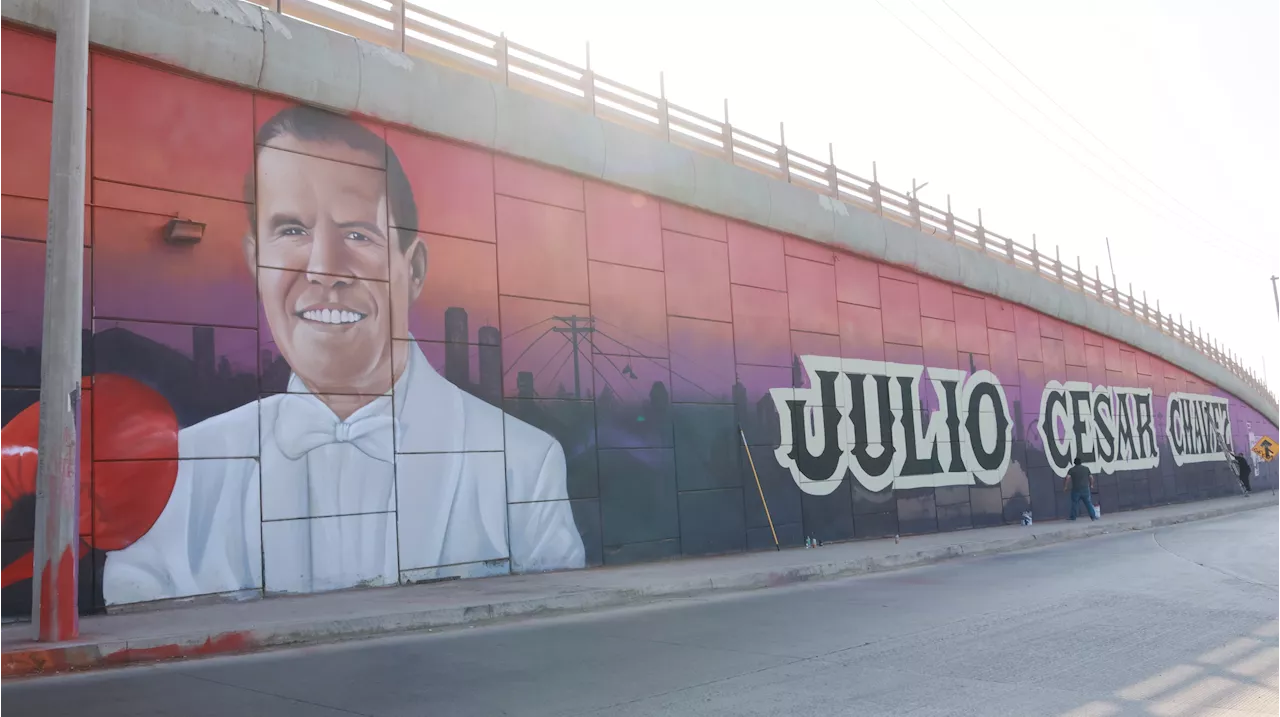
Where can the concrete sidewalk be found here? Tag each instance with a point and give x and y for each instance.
(223, 628)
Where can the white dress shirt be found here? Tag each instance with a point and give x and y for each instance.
(432, 482)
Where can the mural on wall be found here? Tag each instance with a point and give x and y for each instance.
(891, 438)
(1197, 427)
(1109, 429)
(391, 359)
(337, 270)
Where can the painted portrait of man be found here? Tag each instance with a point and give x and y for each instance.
(370, 462)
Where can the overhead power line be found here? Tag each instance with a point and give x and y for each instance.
(959, 43)
(1070, 155)
(1073, 118)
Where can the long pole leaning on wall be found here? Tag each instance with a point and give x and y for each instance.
(55, 579)
(760, 488)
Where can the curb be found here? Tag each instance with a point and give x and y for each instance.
(29, 660)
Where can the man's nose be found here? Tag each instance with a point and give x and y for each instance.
(328, 263)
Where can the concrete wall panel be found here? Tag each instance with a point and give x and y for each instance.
(903, 245)
(943, 262)
(218, 38)
(976, 272)
(411, 91)
(728, 190)
(547, 132)
(646, 163)
(309, 64)
(800, 211)
(860, 232)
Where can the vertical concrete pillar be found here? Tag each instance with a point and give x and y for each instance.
(58, 479)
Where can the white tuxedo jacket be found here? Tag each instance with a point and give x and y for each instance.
(279, 494)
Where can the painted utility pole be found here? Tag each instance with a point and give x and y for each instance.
(574, 330)
(55, 578)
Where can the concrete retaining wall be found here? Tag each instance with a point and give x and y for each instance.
(351, 379)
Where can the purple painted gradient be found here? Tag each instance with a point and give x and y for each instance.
(22, 293)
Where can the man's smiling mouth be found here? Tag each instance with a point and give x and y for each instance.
(331, 316)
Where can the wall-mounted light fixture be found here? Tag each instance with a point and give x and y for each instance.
(183, 232)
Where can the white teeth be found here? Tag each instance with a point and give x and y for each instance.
(332, 316)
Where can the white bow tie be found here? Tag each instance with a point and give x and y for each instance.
(303, 424)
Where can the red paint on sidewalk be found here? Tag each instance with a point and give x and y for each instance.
(40, 659)
(216, 645)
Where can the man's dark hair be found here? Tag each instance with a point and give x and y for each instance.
(315, 125)
(1078, 461)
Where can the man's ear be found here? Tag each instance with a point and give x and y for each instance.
(250, 247)
(417, 256)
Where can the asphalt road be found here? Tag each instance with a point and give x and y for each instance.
(1176, 622)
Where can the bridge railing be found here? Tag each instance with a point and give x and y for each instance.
(409, 26)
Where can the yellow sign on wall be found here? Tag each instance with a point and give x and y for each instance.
(1265, 448)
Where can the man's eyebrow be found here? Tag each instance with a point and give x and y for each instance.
(283, 220)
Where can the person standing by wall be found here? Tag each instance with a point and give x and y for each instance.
(1080, 482)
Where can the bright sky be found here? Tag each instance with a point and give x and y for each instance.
(1174, 156)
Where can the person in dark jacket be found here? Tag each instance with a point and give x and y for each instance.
(1080, 482)
(1245, 470)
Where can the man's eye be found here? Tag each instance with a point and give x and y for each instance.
(357, 236)
(293, 232)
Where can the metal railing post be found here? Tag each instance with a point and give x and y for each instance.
(504, 57)
(403, 34)
(727, 134)
(589, 83)
(664, 108)
(913, 205)
(951, 220)
(877, 197)
(783, 156)
(833, 177)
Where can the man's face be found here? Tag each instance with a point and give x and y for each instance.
(325, 252)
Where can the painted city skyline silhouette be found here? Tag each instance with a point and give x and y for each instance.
(206, 384)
